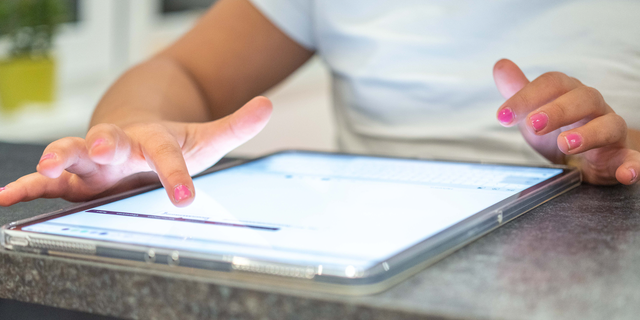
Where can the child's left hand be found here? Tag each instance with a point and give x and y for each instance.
(570, 123)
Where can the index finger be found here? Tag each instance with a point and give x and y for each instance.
(164, 155)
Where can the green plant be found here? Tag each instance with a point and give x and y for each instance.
(30, 25)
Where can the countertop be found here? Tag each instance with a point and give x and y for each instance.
(576, 257)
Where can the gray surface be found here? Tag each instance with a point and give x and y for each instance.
(577, 257)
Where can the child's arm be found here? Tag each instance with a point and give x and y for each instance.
(153, 117)
(232, 54)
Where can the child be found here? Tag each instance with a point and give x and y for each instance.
(410, 78)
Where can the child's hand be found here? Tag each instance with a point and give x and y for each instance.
(568, 122)
(81, 169)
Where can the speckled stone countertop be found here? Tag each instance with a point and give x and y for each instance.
(577, 257)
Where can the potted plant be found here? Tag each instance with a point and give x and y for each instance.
(27, 72)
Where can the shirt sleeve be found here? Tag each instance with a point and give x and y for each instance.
(293, 17)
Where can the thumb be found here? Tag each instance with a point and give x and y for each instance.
(228, 133)
(508, 77)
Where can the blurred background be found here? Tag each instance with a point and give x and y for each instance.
(57, 58)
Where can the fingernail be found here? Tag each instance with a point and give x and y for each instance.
(4, 188)
(181, 192)
(97, 143)
(574, 140)
(634, 175)
(539, 121)
(505, 116)
(48, 156)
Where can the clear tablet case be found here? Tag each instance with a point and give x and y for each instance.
(241, 270)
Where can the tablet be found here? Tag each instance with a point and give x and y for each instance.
(347, 224)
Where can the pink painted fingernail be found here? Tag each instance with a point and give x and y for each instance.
(505, 116)
(48, 156)
(539, 121)
(574, 140)
(97, 143)
(181, 192)
(634, 175)
(5, 188)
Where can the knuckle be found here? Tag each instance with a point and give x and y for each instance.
(551, 77)
(576, 80)
(150, 131)
(619, 123)
(154, 135)
(618, 130)
(556, 80)
(164, 149)
(593, 94)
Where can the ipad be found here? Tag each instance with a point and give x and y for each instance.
(346, 224)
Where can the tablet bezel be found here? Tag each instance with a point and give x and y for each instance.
(375, 279)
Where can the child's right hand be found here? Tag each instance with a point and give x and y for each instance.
(110, 158)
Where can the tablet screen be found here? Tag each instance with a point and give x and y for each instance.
(307, 208)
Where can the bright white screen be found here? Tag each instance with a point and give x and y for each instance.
(307, 208)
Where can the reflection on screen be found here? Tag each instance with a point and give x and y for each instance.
(307, 208)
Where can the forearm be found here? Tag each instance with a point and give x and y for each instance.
(156, 90)
(233, 54)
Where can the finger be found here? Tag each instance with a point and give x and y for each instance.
(627, 173)
(65, 154)
(228, 133)
(108, 144)
(164, 155)
(607, 130)
(30, 187)
(539, 92)
(580, 103)
(508, 78)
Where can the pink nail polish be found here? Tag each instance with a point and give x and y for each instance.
(181, 192)
(4, 188)
(539, 121)
(634, 175)
(574, 140)
(97, 143)
(505, 116)
(48, 156)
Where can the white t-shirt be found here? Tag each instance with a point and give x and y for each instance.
(414, 77)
